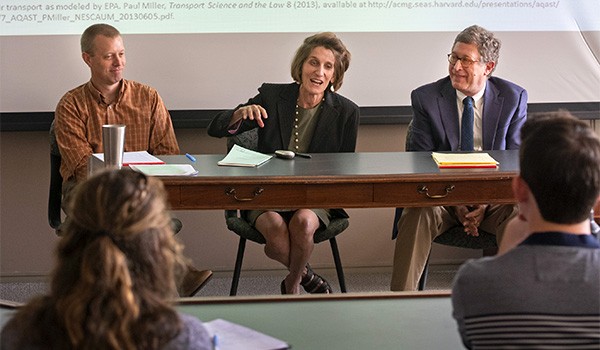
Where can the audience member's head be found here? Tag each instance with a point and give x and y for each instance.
(116, 269)
(329, 41)
(560, 162)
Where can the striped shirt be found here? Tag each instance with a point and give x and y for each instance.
(82, 111)
(533, 331)
(543, 294)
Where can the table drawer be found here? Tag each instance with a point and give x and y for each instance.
(273, 196)
(430, 193)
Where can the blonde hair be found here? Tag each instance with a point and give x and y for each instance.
(88, 36)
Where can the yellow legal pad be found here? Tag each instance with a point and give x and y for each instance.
(464, 160)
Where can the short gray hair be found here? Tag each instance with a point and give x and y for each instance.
(487, 45)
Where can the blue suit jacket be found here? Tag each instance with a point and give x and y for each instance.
(435, 123)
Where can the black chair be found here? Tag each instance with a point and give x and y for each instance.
(595, 228)
(454, 236)
(56, 180)
(245, 231)
(55, 194)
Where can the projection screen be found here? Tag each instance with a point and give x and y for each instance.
(206, 55)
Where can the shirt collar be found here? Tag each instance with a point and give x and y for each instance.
(98, 95)
(95, 93)
(562, 239)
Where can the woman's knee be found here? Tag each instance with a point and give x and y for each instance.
(271, 223)
(303, 225)
(305, 218)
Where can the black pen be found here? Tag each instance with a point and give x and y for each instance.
(304, 155)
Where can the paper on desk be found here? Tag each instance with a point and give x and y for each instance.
(240, 156)
(464, 160)
(165, 169)
(141, 157)
(233, 336)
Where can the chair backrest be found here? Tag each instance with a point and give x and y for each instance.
(55, 193)
(594, 225)
(247, 139)
(409, 135)
(398, 212)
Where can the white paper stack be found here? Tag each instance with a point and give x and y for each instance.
(240, 156)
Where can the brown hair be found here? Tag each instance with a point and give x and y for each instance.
(88, 36)
(560, 162)
(116, 270)
(331, 42)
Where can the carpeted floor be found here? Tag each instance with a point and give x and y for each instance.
(256, 282)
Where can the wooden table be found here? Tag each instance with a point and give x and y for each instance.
(340, 180)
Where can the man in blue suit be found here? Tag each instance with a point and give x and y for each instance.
(498, 109)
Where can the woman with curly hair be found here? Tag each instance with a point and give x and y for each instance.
(117, 268)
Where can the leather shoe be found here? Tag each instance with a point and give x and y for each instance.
(193, 281)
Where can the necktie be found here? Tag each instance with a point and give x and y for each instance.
(466, 129)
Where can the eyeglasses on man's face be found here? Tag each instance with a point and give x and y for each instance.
(464, 61)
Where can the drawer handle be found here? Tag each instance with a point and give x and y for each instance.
(231, 192)
(424, 189)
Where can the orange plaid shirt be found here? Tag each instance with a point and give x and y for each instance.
(82, 111)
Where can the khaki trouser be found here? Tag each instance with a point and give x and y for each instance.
(418, 227)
